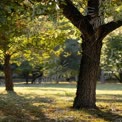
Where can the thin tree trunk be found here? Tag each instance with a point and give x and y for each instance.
(8, 73)
(86, 87)
(26, 79)
(120, 75)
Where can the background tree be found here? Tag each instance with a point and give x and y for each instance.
(63, 30)
(13, 18)
(71, 51)
(112, 55)
(25, 69)
(22, 30)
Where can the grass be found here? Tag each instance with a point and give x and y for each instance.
(52, 103)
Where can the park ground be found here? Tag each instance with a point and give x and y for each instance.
(53, 103)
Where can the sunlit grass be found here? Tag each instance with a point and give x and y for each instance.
(53, 102)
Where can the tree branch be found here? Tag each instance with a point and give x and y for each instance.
(117, 77)
(93, 9)
(109, 27)
(76, 18)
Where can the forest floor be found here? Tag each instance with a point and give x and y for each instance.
(53, 103)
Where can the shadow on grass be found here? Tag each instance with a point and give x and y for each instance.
(107, 112)
(18, 108)
(109, 98)
(104, 114)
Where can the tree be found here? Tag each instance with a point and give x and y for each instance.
(12, 22)
(93, 31)
(112, 55)
(17, 33)
(25, 69)
(71, 51)
(37, 73)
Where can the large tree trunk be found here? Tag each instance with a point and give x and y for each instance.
(8, 73)
(88, 75)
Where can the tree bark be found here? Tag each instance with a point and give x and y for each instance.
(86, 86)
(8, 73)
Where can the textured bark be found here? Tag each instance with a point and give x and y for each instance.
(8, 73)
(86, 87)
(109, 27)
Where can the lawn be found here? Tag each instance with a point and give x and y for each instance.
(53, 103)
